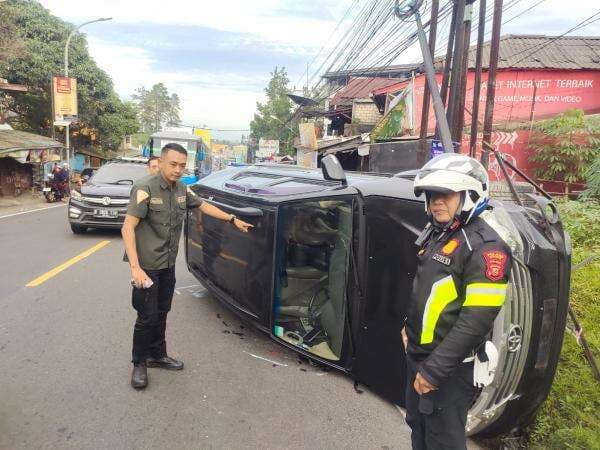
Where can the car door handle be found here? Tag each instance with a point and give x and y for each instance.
(247, 211)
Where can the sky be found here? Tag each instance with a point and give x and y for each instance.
(218, 55)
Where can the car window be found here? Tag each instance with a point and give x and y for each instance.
(120, 173)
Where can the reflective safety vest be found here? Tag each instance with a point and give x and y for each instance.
(458, 290)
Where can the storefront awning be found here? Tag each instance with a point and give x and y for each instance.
(16, 141)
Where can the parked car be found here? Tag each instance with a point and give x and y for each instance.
(328, 269)
(102, 201)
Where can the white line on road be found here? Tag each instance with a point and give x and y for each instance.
(265, 359)
(31, 211)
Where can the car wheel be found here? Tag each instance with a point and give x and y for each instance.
(78, 229)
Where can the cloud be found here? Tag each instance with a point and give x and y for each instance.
(217, 99)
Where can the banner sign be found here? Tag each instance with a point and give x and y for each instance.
(64, 92)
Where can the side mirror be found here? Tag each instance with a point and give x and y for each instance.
(332, 169)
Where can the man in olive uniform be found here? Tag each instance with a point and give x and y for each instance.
(153, 165)
(151, 232)
(459, 287)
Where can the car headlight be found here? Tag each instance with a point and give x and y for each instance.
(76, 194)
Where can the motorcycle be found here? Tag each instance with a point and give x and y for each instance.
(54, 190)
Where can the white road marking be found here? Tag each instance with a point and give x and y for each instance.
(31, 211)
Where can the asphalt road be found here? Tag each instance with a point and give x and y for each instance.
(65, 348)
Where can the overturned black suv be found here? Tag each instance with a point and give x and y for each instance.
(328, 269)
(102, 201)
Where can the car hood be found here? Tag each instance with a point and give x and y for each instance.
(109, 190)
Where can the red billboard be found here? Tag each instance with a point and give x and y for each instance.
(521, 94)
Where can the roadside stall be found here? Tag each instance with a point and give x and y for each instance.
(25, 159)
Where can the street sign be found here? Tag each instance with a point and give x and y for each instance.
(437, 148)
(267, 148)
(61, 123)
(64, 91)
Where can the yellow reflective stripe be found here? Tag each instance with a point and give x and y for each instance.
(442, 293)
(485, 294)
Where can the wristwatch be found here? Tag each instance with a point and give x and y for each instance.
(232, 219)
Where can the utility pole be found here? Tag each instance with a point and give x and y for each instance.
(491, 84)
(457, 67)
(73, 31)
(477, 82)
(462, 88)
(403, 11)
(435, 6)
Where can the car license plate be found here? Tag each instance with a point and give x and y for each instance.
(106, 213)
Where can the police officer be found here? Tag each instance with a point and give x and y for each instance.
(459, 287)
(151, 234)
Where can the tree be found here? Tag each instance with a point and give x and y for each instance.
(274, 118)
(157, 108)
(173, 116)
(43, 37)
(565, 146)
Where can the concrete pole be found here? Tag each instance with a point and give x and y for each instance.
(67, 133)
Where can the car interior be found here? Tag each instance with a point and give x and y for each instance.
(310, 286)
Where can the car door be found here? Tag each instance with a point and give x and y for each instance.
(236, 266)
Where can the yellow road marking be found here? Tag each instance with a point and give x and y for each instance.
(45, 277)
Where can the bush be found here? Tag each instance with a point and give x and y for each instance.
(592, 179)
(570, 417)
(565, 146)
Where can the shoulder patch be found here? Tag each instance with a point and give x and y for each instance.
(495, 264)
(450, 247)
(140, 196)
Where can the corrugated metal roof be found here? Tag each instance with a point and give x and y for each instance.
(360, 88)
(402, 70)
(13, 140)
(543, 52)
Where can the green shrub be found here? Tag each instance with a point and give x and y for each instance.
(570, 417)
(592, 180)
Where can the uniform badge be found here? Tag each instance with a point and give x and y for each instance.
(450, 246)
(140, 196)
(441, 258)
(181, 199)
(156, 201)
(495, 262)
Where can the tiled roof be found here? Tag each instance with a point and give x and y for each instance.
(543, 52)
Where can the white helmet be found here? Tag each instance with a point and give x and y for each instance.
(451, 172)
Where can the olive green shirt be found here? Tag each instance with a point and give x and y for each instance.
(161, 208)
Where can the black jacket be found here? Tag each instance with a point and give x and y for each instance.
(459, 288)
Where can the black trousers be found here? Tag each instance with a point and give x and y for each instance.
(152, 306)
(437, 419)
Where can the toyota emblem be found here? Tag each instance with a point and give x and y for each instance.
(515, 338)
(106, 201)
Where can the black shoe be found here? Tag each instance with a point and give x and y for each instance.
(139, 376)
(166, 362)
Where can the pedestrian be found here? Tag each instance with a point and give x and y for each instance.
(153, 166)
(65, 181)
(151, 234)
(459, 287)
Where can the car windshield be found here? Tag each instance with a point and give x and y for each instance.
(120, 173)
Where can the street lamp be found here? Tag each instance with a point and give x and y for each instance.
(67, 138)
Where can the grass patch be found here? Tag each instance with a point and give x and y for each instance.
(570, 417)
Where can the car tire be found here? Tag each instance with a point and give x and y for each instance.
(78, 229)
